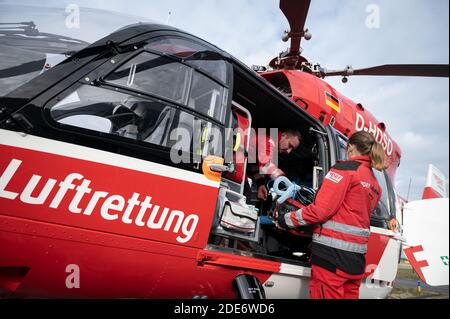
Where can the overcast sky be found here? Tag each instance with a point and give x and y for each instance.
(416, 110)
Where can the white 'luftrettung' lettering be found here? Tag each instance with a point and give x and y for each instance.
(114, 206)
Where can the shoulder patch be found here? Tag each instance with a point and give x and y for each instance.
(334, 177)
(347, 166)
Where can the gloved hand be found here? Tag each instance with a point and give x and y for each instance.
(280, 221)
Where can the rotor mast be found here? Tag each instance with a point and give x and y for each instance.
(296, 12)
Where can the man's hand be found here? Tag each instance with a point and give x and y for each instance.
(262, 192)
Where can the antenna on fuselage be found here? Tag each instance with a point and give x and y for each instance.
(168, 17)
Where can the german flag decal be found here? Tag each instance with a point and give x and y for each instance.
(332, 102)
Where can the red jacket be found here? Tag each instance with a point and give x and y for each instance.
(342, 209)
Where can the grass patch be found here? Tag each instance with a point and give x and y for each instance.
(407, 274)
(411, 293)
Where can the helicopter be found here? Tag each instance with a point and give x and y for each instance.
(91, 189)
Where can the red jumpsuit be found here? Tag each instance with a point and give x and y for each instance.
(341, 211)
(262, 152)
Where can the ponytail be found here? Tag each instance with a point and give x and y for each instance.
(377, 156)
(366, 144)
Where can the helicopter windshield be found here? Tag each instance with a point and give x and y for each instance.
(34, 38)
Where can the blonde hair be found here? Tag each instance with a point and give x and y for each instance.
(366, 144)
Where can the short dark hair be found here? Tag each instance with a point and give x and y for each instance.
(293, 132)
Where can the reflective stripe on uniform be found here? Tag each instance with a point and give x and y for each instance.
(288, 220)
(267, 168)
(295, 219)
(347, 229)
(340, 244)
(277, 173)
(299, 217)
(271, 169)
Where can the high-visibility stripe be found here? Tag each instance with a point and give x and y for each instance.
(271, 169)
(292, 217)
(277, 173)
(264, 169)
(340, 244)
(347, 229)
(299, 217)
(295, 219)
(238, 142)
(289, 221)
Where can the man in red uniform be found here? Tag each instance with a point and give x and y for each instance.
(288, 140)
(341, 211)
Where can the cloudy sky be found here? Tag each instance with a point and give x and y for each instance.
(416, 110)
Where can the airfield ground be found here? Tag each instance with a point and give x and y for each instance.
(405, 286)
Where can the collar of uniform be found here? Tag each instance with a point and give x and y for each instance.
(365, 160)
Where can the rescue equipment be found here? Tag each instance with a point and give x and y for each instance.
(292, 197)
(239, 216)
(303, 194)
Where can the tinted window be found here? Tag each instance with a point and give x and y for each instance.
(153, 74)
(192, 53)
(179, 47)
(169, 79)
(208, 97)
(146, 120)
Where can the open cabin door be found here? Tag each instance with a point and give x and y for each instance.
(234, 217)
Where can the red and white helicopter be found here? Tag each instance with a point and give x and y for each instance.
(94, 203)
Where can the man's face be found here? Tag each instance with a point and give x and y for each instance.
(288, 143)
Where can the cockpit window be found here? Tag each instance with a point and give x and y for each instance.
(164, 77)
(193, 54)
(176, 46)
(208, 97)
(35, 36)
(154, 74)
(145, 120)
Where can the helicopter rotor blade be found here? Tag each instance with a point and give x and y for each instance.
(296, 12)
(422, 70)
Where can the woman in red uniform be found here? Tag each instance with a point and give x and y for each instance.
(341, 211)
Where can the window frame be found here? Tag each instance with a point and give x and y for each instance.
(181, 60)
(341, 141)
(116, 60)
(117, 138)
(103, 82)
(384, 220)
